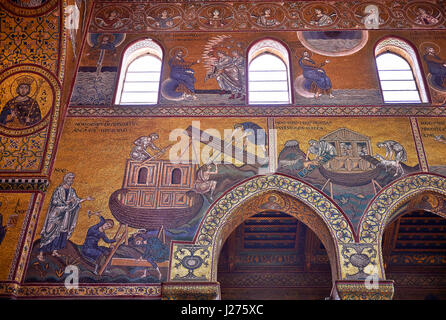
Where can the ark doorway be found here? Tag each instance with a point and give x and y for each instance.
(273, 256)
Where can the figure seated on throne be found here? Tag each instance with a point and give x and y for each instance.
(316, 79)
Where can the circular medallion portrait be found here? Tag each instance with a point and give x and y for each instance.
(320, 15)
(371, 15)
(423, 14)
(215, 16)
(267, 15)
(113, 18)
(27, 8)
(163, 17)
(25, 101)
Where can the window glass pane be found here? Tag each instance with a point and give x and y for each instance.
(268, 80)
(145, 63)
(268, 85)
(139, 77)
(265, 75)
(395, 75)
(401, 96)
(139, 98)
(267, 61)
(131, 76)
(397, 81)
(390, 61)
(398, 85)
(141, 86)
(269, 96)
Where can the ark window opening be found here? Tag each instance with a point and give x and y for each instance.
(176, 176)
(142, 175)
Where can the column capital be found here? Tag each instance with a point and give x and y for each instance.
(190, 291)
(363, 290)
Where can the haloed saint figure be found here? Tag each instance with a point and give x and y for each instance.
(22, 110)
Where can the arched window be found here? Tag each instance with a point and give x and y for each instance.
(139, 78)
(142, 175)
(268, 73)
(399, 72)
(176, 176)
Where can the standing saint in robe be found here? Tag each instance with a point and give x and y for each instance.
(61, 218)
(229, 74)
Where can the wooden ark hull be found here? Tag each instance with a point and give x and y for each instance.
(354, 179)
(145, 218)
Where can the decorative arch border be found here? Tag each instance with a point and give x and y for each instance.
(373, 222)
(40, 10)
(331, 214)
(195, 261)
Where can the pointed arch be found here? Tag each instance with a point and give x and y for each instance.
(390, 199)
(225, 214)
(392, 76)
(139, 73)
(269, 71)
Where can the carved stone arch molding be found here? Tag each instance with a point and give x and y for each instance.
(196, 261)
(403, 192)
(424, 191)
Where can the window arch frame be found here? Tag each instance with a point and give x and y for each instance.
(281, 51)
(131, 53)
(405, 50)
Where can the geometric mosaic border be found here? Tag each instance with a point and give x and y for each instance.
(15, 290)
(260, 111)
(24, 184)
(217, 214)
(238, 15)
